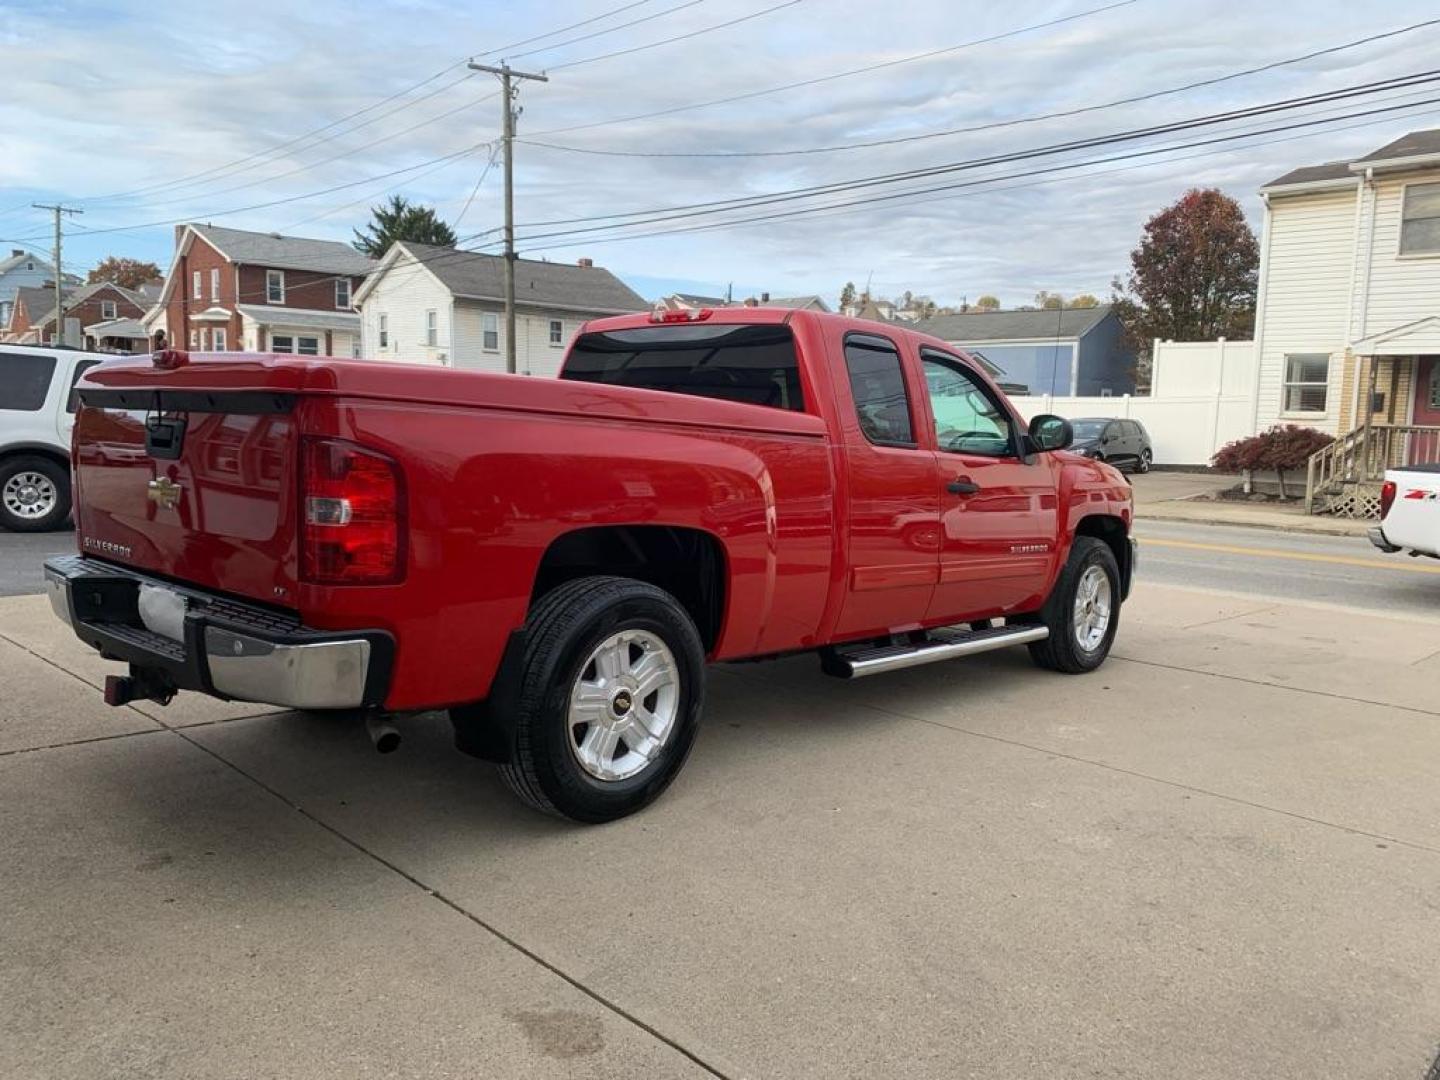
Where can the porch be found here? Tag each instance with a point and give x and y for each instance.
(1401, 426)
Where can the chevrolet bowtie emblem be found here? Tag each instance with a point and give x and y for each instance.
(163, 492)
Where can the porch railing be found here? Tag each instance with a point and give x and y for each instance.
(1362, 456)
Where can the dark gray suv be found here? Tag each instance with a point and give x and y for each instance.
(1123, 443)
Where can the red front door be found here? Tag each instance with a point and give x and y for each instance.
(1424, 446)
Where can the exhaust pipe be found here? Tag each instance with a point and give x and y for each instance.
(384, 734)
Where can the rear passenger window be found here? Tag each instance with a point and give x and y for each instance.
(80, 368)
(24, 381)
(878, 386)
(749, 363)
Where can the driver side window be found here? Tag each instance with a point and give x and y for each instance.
(967, 420)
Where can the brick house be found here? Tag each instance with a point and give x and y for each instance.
(32, 315)
(261, 292)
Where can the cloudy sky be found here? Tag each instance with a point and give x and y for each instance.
(146, 113)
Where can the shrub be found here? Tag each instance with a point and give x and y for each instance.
(1284, 447)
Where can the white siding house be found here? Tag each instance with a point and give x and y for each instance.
(1350, 291)
(431, 305)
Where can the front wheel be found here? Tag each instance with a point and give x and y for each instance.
(1083, 611)
(1145, 460)
(611, 685)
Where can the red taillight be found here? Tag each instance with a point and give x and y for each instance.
(352, 529)
(683, 315)
(1387, 497)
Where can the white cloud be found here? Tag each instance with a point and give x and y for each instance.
(105, 97)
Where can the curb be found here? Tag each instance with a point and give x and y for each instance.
(1358, 531)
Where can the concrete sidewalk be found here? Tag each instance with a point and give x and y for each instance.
(1161, 496)
(1215, 858)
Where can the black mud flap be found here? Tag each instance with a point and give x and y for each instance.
(486, 729)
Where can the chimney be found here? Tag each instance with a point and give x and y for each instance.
(764, 298)
(587, 263)
(179, 232)
(17, 252)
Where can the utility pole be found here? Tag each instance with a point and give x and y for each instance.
(57, 209)
(507, 139)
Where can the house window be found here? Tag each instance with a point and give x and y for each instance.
(288, 343)
(107, 309)
(557, 332)
(218, 338)
(342, 293)
(1307, 379)
(195, 293)
(1420, 220)
(432, 332)
(489, 331)
(29, 266)
(194, 339)
(384, 331)
(274, 286)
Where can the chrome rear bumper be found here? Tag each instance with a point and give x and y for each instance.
(219, 646)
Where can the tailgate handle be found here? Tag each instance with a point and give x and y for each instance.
(164, 437)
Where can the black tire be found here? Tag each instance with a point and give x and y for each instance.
(1061, 651)
(20, 465)
(1145, 458)
(564, 628)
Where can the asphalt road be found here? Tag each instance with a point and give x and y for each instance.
(1347, 571)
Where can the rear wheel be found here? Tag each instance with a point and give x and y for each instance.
(1146, 457)
(611, 687)
(1083, 611)
(34, 493)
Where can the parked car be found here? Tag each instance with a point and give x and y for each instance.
(1409, 511)
(37, 411)
(1122, 443)
(555, 561)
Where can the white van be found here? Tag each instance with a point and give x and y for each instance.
(37, 411)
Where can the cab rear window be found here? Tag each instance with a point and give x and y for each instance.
(26, 379)
(756, 365)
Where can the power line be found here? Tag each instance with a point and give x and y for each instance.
(994, 125)
(294, 198)
(608, 30)
(744, 202)
(564, 29)
(677, 37)
(842, 74)
(476, 189)
(389, 137)
(1063, 167)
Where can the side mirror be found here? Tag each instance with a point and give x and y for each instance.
(1048, 432)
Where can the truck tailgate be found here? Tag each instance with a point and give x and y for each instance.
(197, 486)
(1413, 520)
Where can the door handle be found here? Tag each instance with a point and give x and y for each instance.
(962, 486)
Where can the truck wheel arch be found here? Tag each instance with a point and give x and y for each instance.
(688, 563)
(1111, 529)
(40, 449)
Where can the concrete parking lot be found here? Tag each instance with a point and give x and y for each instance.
(1218, 857)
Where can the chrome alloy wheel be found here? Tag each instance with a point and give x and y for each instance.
(1091, 617)
(29, 495)
(624, 705)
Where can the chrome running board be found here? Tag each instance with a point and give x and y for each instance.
(857, 661)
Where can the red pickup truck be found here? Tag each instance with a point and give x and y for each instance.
(555, 561)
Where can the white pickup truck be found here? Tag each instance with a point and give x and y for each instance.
(37, 412)
(1410, 511)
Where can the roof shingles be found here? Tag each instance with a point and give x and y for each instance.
(977, 326)
(476, 276)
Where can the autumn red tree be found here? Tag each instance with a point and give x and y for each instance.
(1194, 275)
(1283, 448)
(127, 273)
